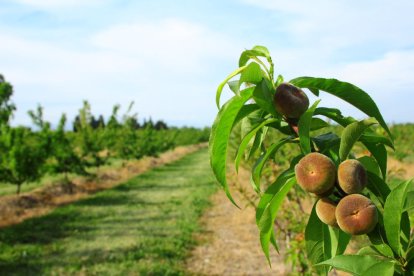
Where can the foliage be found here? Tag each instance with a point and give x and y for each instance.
(252, 108)
(6, 106)
(22, 156)
(27, 154)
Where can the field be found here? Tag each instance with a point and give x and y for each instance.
(143, 226)
(119, 198)
(149, 225)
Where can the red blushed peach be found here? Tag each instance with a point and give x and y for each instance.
(316, 173)
(352, 176)
(356, 214)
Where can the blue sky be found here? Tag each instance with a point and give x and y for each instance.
(169, 56)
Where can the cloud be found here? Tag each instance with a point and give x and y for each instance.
(53, 5)
(165, 66)
(341, 24)
(172, 43)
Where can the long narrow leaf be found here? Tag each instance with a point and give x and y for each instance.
(247, 138)
(258, 166)
(267, 220)
(393, 209)
(223, 83)
(347, 92)
(355, 264)
(304, 128)
(220, 134)
(350, 136)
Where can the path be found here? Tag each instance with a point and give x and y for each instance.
(230, 242)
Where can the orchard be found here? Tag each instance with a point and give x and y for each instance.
(350, 192)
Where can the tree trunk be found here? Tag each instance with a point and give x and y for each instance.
(18, 188)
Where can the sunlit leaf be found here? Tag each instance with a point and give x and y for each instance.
(224, 82)
(258, 166)
(393, 209)
(350, 136)
(304, 128)
(347, 92)
(220, 134)
(355, 264)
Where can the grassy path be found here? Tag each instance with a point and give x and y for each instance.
(143, 226)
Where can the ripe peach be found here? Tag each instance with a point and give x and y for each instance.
(290, 100)
(325, 209)
(356, 214)
(352, 176)
(316, 173)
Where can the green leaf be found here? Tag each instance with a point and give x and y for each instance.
(245, 111)
(339, 240)
(257, 51)
(370, 164)
(351, 134)
(234, 86)
(378, 250)
(355, 264)
(263, 96)
(375, 138)
(271, 191)
(317, 124)
(409, 202)
(252, 74)
(258, 166)
(326, 141)
(383, 268)
(322, 241)
(247, 138)
(262, 49)
(304, 128)
(268, 216)
(393, 210)
(345, 91)
(379, 152)
(223, 83)
(220, 134)
(378, 187)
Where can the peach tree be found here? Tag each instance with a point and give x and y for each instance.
(351, 194)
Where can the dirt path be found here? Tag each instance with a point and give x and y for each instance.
(403, 170)
(230, 243)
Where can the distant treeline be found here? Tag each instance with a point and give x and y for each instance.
(27, 155)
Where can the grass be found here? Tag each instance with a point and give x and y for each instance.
(141, 227)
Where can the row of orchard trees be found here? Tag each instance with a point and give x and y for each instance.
(27, 155)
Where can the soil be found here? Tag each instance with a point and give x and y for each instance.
(17, 208)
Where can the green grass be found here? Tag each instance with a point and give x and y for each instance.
(142, 227)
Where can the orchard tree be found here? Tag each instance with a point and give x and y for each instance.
(6, 106)
(65, 158)
(91, 139)
(351, 194)
(44, 131)
(22, 156)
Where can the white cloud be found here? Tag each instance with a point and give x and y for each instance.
(337, 24)
(173, 44)
(58, 4)
(164, 66)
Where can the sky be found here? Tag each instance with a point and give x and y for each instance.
(170, 56)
